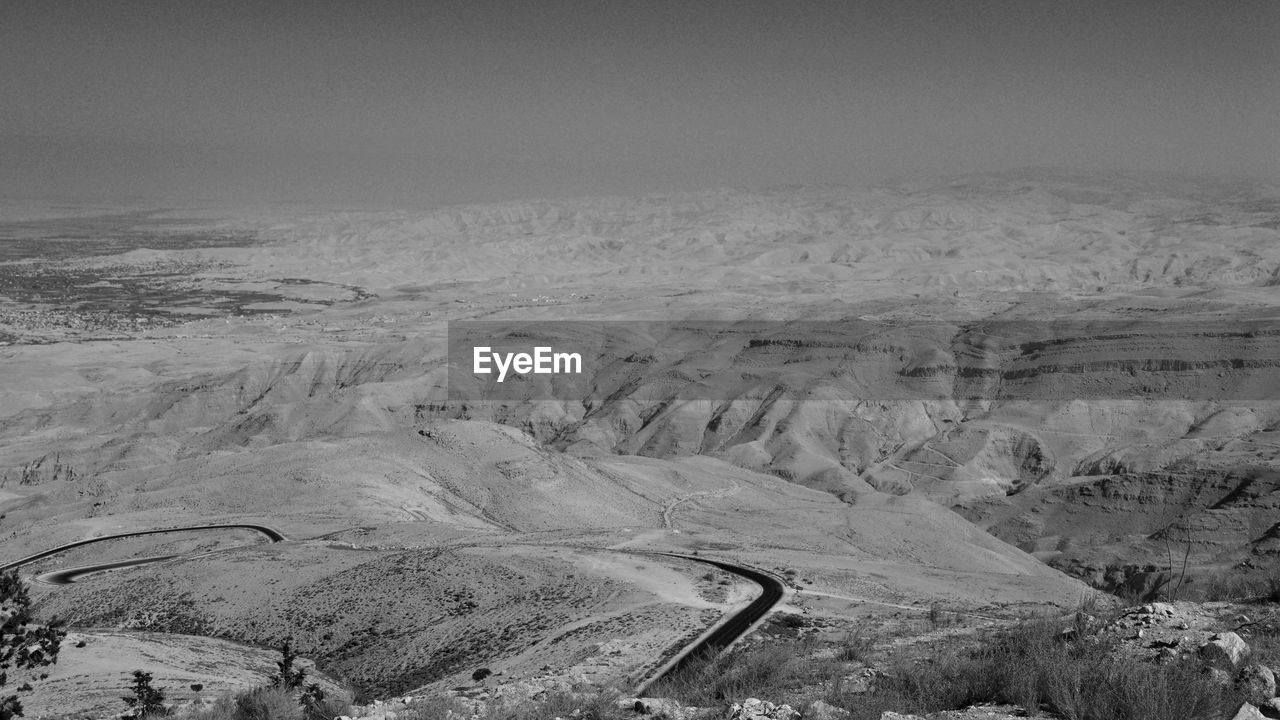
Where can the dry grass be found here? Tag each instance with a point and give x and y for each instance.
(1085, 679)
(269, 703)
(1030, 664)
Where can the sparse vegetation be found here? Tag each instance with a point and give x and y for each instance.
(939, 618)
(1239, 588)
(856, 647)
(263, 703)
(1031, 666)
(289, 679)
(766, 671)
(287, 676)
(1081, 675)
(283, 698)
(443, 708)
(270, 703)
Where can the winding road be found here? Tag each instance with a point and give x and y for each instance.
(773, 589)
(69, 575)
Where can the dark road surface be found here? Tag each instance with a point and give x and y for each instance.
(734, 627)
(69, 575)
(62, 577)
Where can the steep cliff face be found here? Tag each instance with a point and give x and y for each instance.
(1141, 532)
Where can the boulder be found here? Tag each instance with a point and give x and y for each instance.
(1224, 650)
(753, 709)
(1257, 684)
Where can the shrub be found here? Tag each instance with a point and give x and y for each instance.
(598, 706)
(855, 647)
(147, 701)
(937, 618)
(267, 703)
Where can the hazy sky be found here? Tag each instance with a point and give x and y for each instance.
(422, 103)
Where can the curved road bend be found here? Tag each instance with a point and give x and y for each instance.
(271, 534)
(772, 589)
(69, 575)
(733, 628)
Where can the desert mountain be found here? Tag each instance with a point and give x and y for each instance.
(289, 367)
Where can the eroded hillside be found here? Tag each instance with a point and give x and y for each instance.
(290, 369)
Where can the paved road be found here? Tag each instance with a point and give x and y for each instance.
(69, 575)
(65, 576)
(773, 590)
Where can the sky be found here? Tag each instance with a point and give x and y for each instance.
(423, 103)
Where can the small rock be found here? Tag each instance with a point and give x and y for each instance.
(1257, 683)
(1162, 608)
(1248, 712)
(859, 683)
(1224, 650)
(1220, 676)
(657, 708)
(754, 709)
